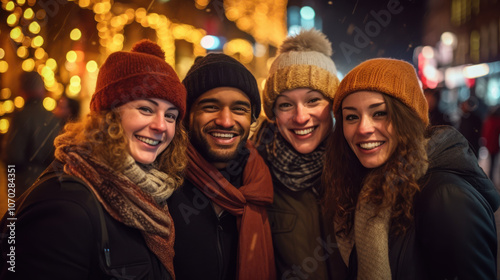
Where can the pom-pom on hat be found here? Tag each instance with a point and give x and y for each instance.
(303, 62)
(219, 70)
(393, 77)
(140, 73)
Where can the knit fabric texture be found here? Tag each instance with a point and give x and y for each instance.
(393, 77)
(140, 73)
(303, 62)
(219, 70)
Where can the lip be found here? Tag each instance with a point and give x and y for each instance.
(370, 143)
(148, 141)
(303, 133)
(222, 137)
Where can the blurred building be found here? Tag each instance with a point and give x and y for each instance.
(461, 53)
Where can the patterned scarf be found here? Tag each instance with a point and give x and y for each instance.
(295, 170)
(247, 203)
(125, 195)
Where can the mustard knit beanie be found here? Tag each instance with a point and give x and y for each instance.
(303, 62)
(393, 77)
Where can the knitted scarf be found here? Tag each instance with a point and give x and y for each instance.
(247, 203)
(371, 235)
(294, 170)
(124, 195)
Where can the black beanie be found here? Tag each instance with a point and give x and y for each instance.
(219, 70)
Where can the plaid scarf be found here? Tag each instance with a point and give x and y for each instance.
(123, 195)
(247, 203)
(294, 170)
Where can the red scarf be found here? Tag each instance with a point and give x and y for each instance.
(255, 248)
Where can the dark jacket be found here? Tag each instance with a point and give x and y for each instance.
(206, 245)
(454, 233)
(304, 242)
(29, 144)
(58, 236)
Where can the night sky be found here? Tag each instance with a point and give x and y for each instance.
(397, 39)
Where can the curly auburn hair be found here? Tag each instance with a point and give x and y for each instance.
(393, 184)
(103, 134)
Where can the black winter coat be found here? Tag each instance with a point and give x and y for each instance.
(58, 236)
(454, 233)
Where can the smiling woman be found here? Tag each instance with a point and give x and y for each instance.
(291, 137)
(100, 210)
(408, 201)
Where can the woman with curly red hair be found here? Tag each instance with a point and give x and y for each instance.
(100, 210)
(408, 200)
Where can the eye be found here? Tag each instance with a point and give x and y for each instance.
(170, 117)
(284, 106)
(380, 114)
(314, 100)
(145, 110)
(210, 108)
(241, 110)
(351, 117)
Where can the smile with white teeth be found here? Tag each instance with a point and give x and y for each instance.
(371, 145)
(149, 141)
(303, 131)
(222, 135)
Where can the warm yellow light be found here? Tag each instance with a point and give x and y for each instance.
(84, 3)
(75, 34)
(10, 6)
(51, 63)
(91, 66)
(22, 52)
(46, 72)
(49, 83)
(12, 20)
(4, 66)
(49, 103)
(70, 66)
(140, 13)
(19, 102)
(71, 56)
(21, 2)
(37, 42)
(16, 33)
(118, 39)
(4, 126)
(8, 106)
(2, 53)
(5, 93)
(28, 65)
(39, 53)
(29, 14)
(75, 80)
(99, 8)
(34, 27)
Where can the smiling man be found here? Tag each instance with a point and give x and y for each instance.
(222, 228)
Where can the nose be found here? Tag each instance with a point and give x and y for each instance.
(365, 126)
(301, 115)
(225, 118)
(159, 123)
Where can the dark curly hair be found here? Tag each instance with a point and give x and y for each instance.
(393, 184)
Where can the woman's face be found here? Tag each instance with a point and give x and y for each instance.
(303, 117)
(367, 128)
(149, 126)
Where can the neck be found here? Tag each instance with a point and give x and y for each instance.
(219, 165)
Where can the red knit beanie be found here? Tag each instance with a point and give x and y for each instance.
(140, 73)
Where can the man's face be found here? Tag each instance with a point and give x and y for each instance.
(219, 124)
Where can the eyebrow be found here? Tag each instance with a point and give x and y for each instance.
(374, 105)
(215, 100)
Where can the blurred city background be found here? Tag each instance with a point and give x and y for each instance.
(453, 44)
